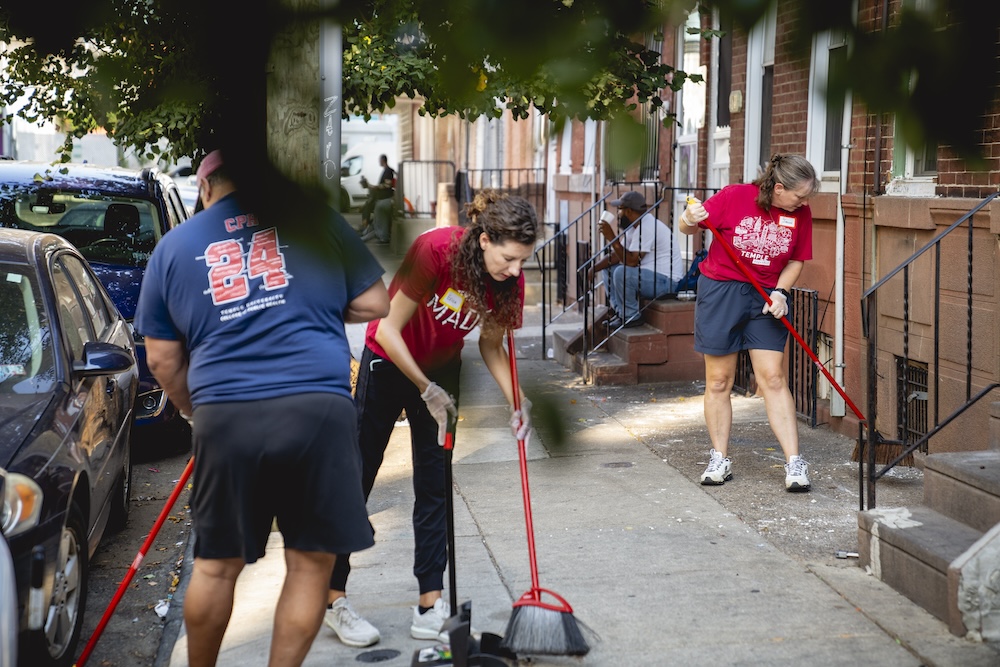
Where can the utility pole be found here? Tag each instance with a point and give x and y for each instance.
(331, 68)
(304, 98)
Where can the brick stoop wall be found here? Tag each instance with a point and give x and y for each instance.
(659, 351)
(944, 554)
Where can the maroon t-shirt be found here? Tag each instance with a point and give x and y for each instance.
(436, 332)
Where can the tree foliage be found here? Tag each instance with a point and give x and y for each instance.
(155, 78)
(164, 77)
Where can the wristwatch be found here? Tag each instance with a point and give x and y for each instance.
(783, 292)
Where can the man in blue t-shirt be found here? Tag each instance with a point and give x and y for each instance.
(244, 328)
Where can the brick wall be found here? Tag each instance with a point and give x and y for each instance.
(791, 87)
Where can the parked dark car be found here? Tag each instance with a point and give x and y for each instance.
(68, 383)
(114, 217)
(8, 605)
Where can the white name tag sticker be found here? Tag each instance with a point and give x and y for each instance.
(786, 221)
(453, 300)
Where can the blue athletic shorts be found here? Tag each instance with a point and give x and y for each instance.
(294, 458)
(727, 319)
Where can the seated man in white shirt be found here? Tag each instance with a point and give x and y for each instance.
(646, 262)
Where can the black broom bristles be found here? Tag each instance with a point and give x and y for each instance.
(540, 628)
(534, 630)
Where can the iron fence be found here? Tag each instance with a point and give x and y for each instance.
(902, 323)
(418, 185)
(803, 376)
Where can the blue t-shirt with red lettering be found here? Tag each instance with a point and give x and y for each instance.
(259, 308)
(436, 332)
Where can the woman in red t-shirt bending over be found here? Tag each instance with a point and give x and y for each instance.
(769, 226)
(451, 280)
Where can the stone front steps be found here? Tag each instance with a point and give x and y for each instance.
(945, 553)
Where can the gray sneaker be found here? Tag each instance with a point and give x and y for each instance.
(797, 474)
(351, 629)
(719, 470)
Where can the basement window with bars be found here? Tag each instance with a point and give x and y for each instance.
(911, 406)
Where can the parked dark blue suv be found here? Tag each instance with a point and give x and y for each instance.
(115, 217)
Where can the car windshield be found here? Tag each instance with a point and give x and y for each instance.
(106, 229)
(26, 362)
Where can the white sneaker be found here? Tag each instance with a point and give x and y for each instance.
(428, 625)
(351, 629)
(719, 470)
(797, 474)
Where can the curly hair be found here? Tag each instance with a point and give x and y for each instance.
(789, 170)
(502, 218)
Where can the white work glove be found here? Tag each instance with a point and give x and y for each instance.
(694, 213)
(778, 306)
(440, 405)
(520, 420)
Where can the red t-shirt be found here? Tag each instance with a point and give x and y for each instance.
(436, 332)
(765, 241)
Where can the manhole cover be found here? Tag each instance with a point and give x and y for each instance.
(617, 464)
(378, 655)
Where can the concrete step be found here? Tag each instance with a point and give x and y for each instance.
(639, 345)
(911, 549)
(604, 368)
(670, 316)
(964, 486)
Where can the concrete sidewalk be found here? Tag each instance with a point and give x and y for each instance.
(650, 560)
(653, 562)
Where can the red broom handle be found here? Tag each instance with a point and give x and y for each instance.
(88, 649)
(523, 458)
(784, 319)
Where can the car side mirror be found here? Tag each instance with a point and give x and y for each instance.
(101, 358)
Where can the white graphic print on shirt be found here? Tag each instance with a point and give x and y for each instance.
(463, 320)
(761, 240)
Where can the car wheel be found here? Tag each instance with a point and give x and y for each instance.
(123, 488)
(54, 645)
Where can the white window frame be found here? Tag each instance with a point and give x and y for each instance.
(819, 69)
(905, 184)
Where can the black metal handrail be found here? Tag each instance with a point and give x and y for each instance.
(554, 253)
(417, 190)
(581, 236)
(868, 433)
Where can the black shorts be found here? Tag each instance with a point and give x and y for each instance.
(294, 458)
(728, 319)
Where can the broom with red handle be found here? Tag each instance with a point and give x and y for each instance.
(89, 648)
(784, 319)
(537, 627)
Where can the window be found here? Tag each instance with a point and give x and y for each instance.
(837, 54)
(652, 122)
(90, 293)
(72, 319)
(724, 76)
(26, 365)
(911, 411)
(759, 94)
(914, 168)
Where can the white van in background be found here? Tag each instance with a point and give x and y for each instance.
(363, 160)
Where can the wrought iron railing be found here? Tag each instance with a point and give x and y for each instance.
(869, 471)
(803, 375)
(417, 190)
(575, 248)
